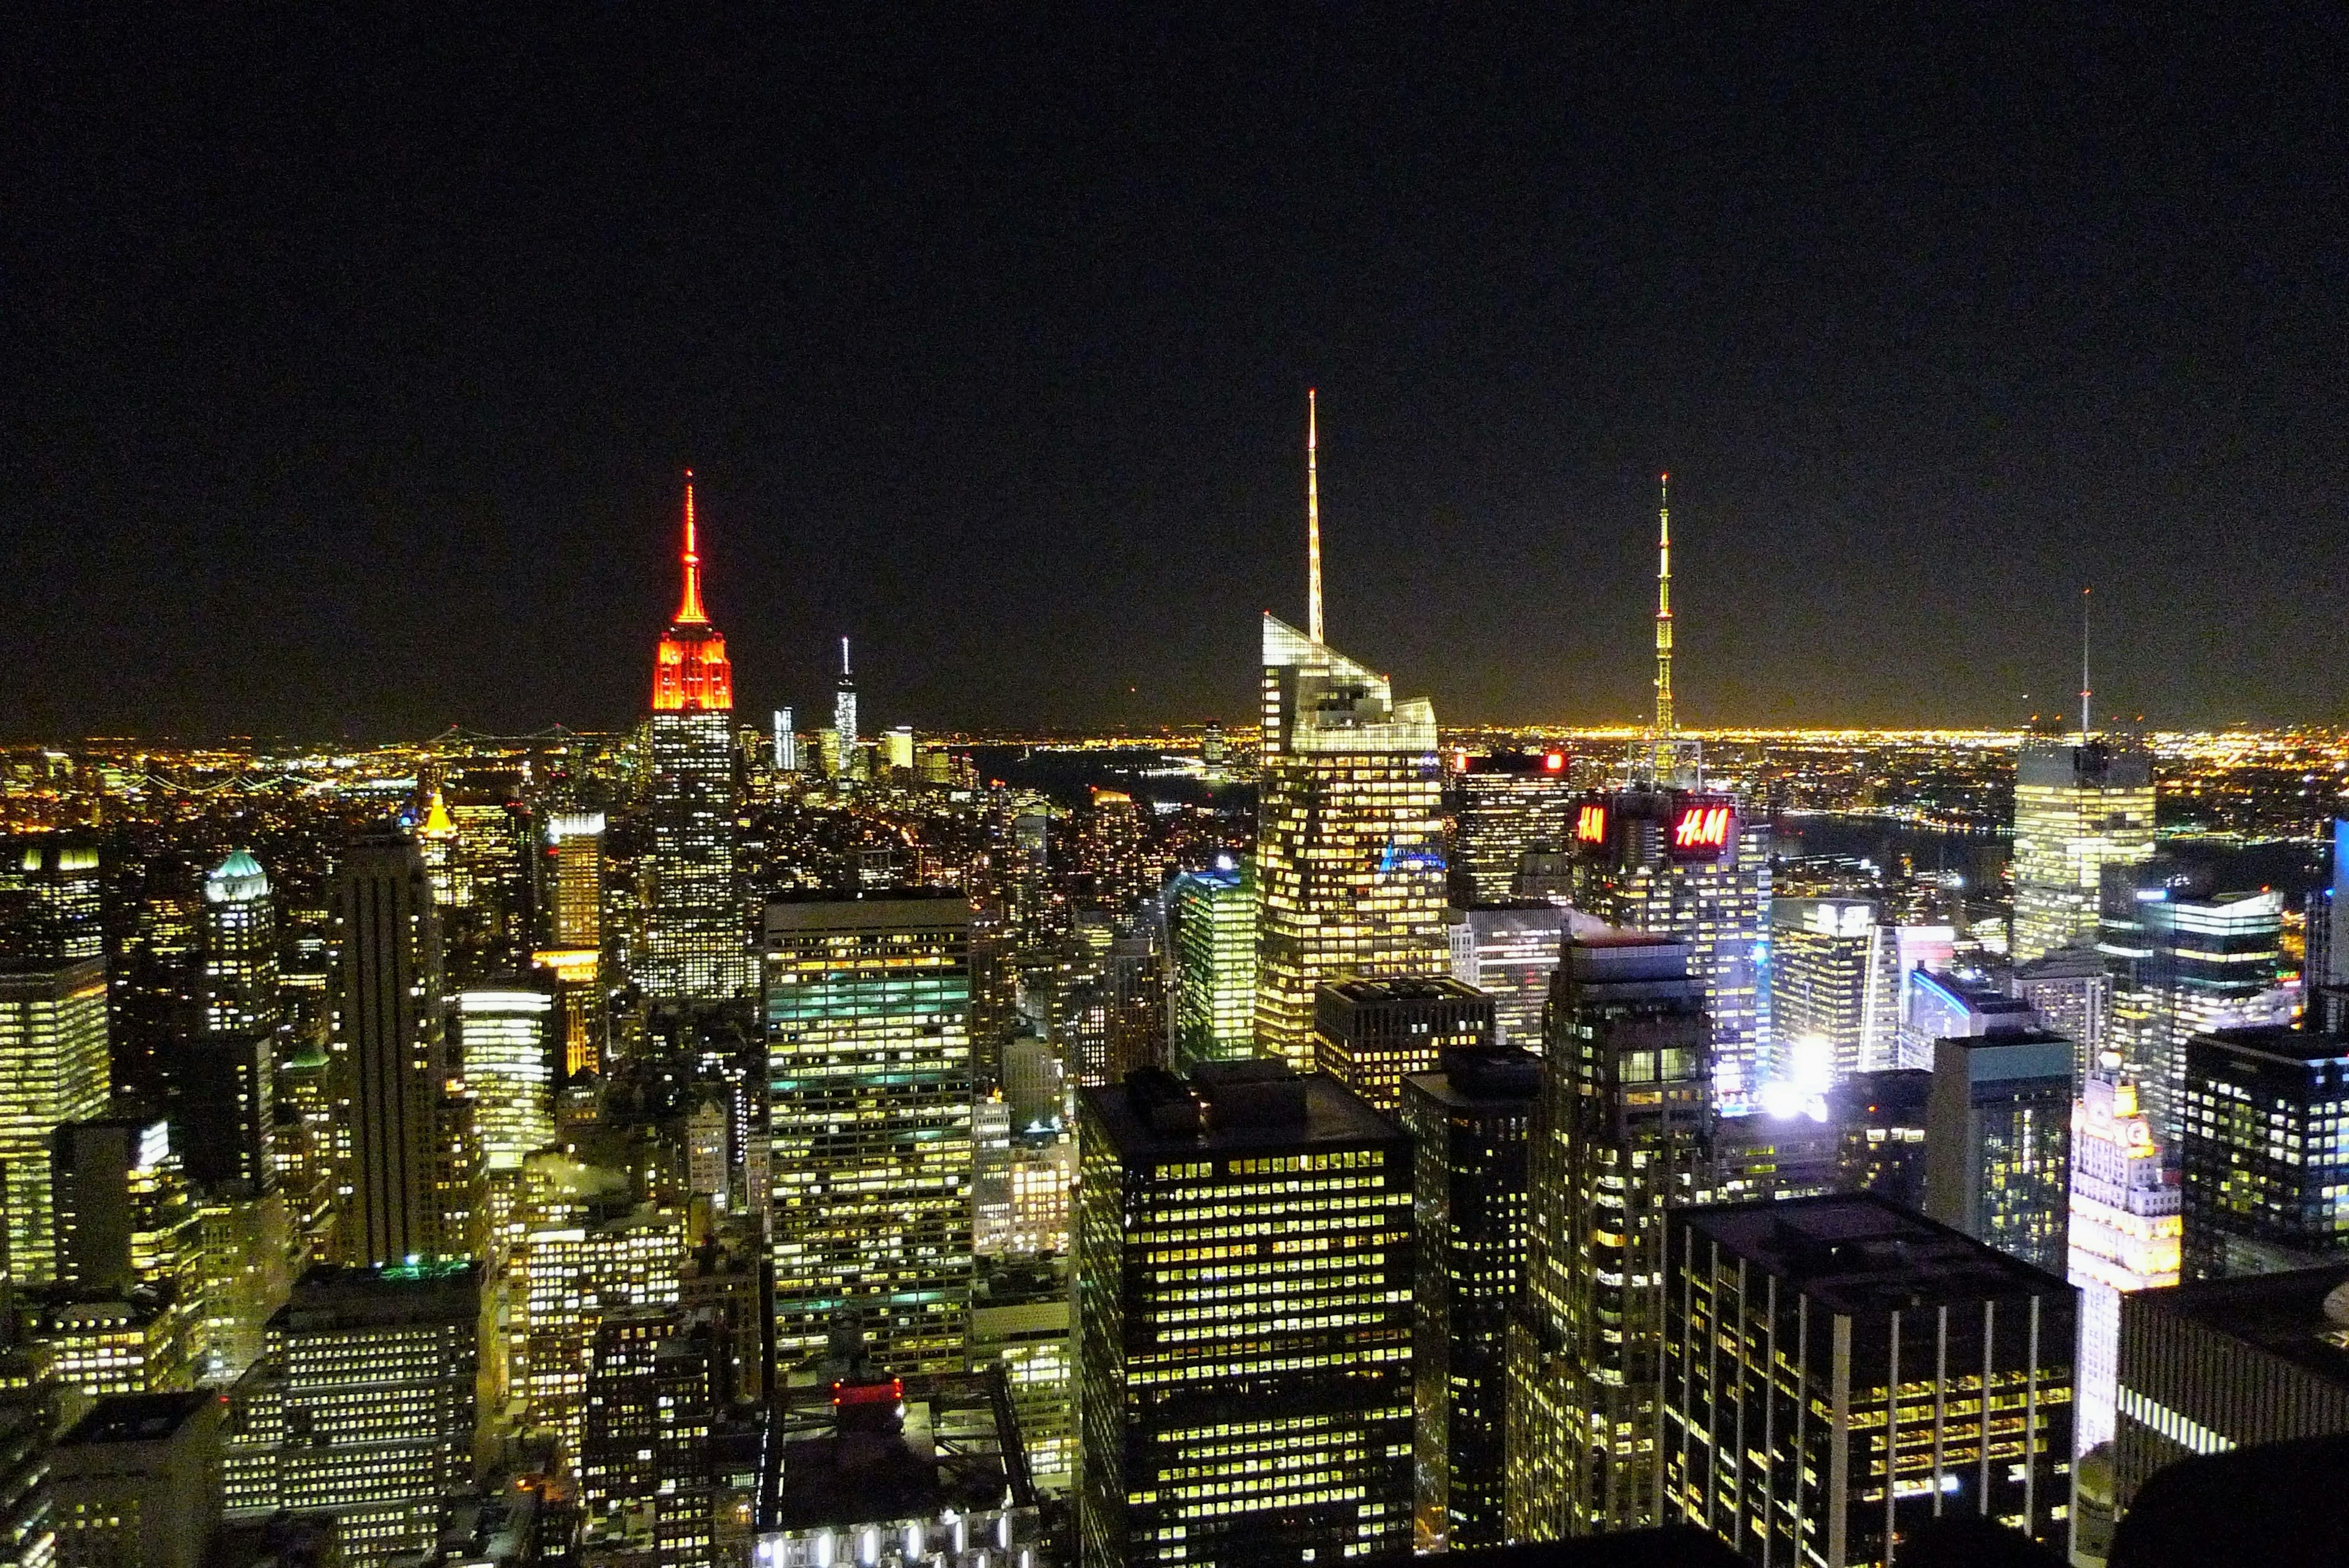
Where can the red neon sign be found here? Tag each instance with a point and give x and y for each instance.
(1554, 762)
(1591, 826)
(1701, 827)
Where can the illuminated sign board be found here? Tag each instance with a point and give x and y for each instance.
(1554, 763)
(1703, 830)
(1591, 826)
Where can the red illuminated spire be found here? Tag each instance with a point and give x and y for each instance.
(689, 612)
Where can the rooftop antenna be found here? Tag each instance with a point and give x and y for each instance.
(1663, 607)
(2084, 666)
(1312, 522)
(688, 610)
(844, 657)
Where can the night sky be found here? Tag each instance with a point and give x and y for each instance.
(347, 371)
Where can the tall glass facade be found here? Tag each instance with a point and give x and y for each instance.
(1211, 919)
(2078, 809)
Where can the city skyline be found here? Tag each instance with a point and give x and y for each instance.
(1015, 405)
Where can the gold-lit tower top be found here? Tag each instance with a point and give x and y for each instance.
(1312, 523)
(1663, 607)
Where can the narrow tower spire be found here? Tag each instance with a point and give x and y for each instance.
(2083, 665)
(843, 658)
(1663, 607)
(1312, 522)
(688, 610)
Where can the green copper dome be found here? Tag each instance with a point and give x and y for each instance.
(238, 880)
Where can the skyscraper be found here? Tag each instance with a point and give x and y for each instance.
(1244, 1320)
(1623, 1132)
(1471, 1123)
(695, 934)
(53, 1069)
(1211, 938)
(1997, 1142)
(1838, 1371)
(845, 739)
(502, 1039)
(389, 1029)
(1508, 802)
(2264, 1161)
(577, 838)
(2126, 1227)
(2078, 808)
(787, 743)
(869, 1105)
(240, 950)
(1349, 852)
(1371, 1034)
(1509, 952)
(1820, 951)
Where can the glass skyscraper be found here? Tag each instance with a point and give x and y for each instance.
(53, 1069)
(696, 931)
(1211, 936)
(2078, 809)
(869, 1105)
(1508, 803)
(1350, 841)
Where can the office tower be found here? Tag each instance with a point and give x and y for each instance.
(53, 1069)
(568, 1274)
(388, 1030)
(576, 839)
(644, 1462)
(1508, 802)
(918, 1472)
(581, 1011)
(1019, 1324)
(2126, 1227)
(1035, 1083)
(49, 903)
(1349, 853)
(2327, 971)
(1624, 1130)
(1881, 1118)
(1997, 1142)
(1133, 995)
(897, 748)
(1211, 918)
(1240, 1399)
(223, 1112)
(1896, 952)
(1509, 952)
(136, 1482)
(1689, 865)
(787, 743)
(1820, 951)
(123, 1218)
(2072, 991)
(1470, 1124)
(2263, 1160)
(2078, 809)
(843, 719)
(695, 942)
(2230, 1364)
(1946, 1004)
(1022, 1180)
(1779, 1151)
(2186, 959)
(1371, 1034)
(868, 1102)
(509, 1066)
(362, 1407)
(1827, 1364)
(240, 950)
(27, 1424)
(252, 1254)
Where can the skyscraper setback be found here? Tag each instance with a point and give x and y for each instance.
(697, 936)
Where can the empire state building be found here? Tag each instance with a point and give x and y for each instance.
(697, 945)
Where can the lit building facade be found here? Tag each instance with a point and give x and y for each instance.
(1997, 1143)
(1879, 1116)
(2125, 1231)
(1019, 1322)
(869, 1097)
(362, 1406)
(240, 950)
(1507, 803)
(1211, 919)
(2263, 1146)
(509, 1065)
(1691, 864)
(1471, 1125)
(136, 1482)
(1624, 1132)
(565, 1279)
(697, 939)
(1509, 952)
(1819, 950)
(1238, 1399)
(1840, 1371)
(389, 1029)
(2078, 808)
(1372, 1034)
(576, 839)
(1350, 837)
(53, 1069)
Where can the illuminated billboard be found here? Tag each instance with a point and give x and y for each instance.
(1590, 826)
(1701, 832)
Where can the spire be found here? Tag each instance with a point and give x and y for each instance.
(688, 610)
(1312, 523)
(1663, 607)
(2084, 666)
(843, 658)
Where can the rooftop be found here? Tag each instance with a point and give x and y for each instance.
(1232, 1108)
(891, 1450)
(2277, 1042)
(1861, 1254)
(1360, 991)
(2282, 1314)
(138, 1417)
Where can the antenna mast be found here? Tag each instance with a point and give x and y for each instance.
(1663, 607)
(1312, 522)
(2084, 666)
